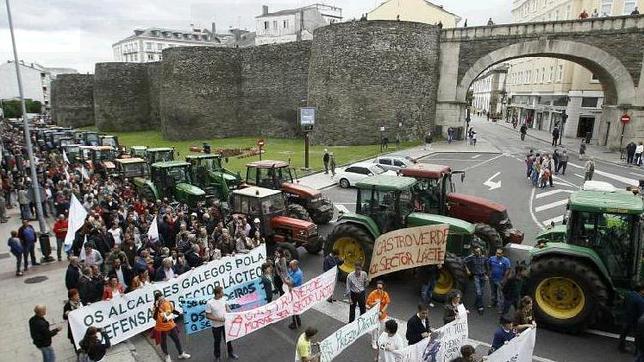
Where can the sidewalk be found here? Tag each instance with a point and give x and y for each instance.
(572, 145)
(43, 284)
(320, 180)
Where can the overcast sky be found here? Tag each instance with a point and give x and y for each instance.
(79, 33)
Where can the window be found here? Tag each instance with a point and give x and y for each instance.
(629, 6)
(385, 161)
(550, 76)
(543, 75)
(148, 46)
(285, 24)
(399, 163)
(606, 7)
(560, 73)
(274, 24)
(556, 15)
(136, 57)
(589, 102)
(266, 25)
(150, 56)
(536, 77)
(568, 12)
(159, 46)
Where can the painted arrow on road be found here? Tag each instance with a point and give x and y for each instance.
(491, 184)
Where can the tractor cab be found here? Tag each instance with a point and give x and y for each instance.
(72, 151)
(87, 138)
(172, 180)
(109, 140)
(434, 184)
(269, 174)
(609, 224)
(139, 151)
(209, 174)
(66, 141)
(387, 200)
(161, 154)
(101, 159)
(279, 230)
(132, 167)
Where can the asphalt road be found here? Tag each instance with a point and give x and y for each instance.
(529, 210)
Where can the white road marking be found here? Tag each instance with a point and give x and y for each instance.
(534, 217)
(556, 220)
(580, 176)
(607, 334)
(637, 174)
(552, 192)
(573, 165)
(484, 162)
(476, 156)
(341, 208)
(551, 205)
(622, 179)
(491, 184)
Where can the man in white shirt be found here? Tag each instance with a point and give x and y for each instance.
(216, 309)
(117, 234)
(91, 256)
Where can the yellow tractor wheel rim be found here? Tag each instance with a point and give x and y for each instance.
(351, 251)
(560, 298)
(445, 282)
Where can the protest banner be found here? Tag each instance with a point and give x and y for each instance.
(132, 313)
(239, 298)
(334, 344)
(519, 349)
(443, 345)
(296, 301)
(408, 248)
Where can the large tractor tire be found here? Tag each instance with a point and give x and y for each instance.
(354, 246)
(147, 193)
(297, 211)
(568, 294)
(315, 247)
(452, 275)
(490, 236)
(319, 217)
(290, 251)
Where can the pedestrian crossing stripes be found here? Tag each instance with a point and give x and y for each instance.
(551, 205)
(552, 192)
(554, 220)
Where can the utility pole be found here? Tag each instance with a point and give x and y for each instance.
(30, 152)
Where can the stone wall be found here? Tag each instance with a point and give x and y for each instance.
(154, 89)
(122, 99)
(365, 75)
(72, 100)
(274, 81)
(200, 92)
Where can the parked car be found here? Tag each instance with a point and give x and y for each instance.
(393, 163)
(359, 171)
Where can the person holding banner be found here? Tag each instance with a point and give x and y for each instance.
(418, 326)
(503, 334)
(295, 279)
(216, 312)
(165, 326)
(389, 341)
(357, 282)
(303, 346)
(379, 295)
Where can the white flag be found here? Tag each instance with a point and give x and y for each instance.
(67, 177)
(65, 157)
(77, 215)
(82, 252)
(84, 173)
(153, 231)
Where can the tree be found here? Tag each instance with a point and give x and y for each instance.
(13, 109)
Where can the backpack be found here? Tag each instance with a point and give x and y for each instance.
(15, 247)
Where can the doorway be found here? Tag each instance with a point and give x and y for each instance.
(586, 124)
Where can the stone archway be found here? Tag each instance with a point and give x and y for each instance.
(619, 88)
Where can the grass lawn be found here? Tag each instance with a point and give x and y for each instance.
(275, 149)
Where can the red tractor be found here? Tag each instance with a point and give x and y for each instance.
(435, 194)
(278, 229)
(303, 202)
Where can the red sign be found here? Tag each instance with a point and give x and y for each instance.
(625, 118)
(260, 143)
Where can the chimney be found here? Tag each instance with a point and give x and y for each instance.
(264, 9)
(213, 29)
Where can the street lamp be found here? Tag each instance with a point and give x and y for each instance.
(44, 237)
(382, 135)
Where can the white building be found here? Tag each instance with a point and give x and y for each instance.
(489, 91)
(36, 81)
(542, 89)
(146, 45)
(294, 24)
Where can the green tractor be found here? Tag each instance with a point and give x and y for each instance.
(159, 154)
(385, 203)
(170, 180)
(580, 271)
(138, 151)
(208, 174)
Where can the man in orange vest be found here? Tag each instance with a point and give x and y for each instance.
(378, 295)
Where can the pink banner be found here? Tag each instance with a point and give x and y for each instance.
(297, 301)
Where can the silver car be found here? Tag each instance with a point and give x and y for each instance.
(393, 163)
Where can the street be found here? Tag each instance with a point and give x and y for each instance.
(530, 211)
